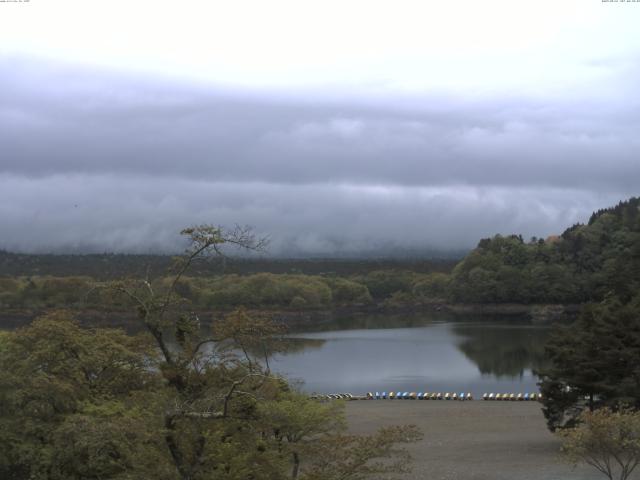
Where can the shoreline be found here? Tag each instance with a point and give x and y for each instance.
(474, 440)
(537, 313)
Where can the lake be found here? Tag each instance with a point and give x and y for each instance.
(423, 353)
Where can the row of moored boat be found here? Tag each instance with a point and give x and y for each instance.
(335, 396)
(429, 396)
(512, 396)
(418, 396)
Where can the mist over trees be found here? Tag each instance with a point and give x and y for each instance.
(585, 263)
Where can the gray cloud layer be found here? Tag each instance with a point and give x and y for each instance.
(100, 161)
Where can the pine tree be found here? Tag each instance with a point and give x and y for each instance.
(594, 363)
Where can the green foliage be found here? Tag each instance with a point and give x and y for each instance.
(433, 286)
(606, 440)
(38, 292)
(70, 403)
(265, 290)
(587, 262)
(344, 291)
(9, 292)
(98, 404)
(383, 283)
(109, 266)
(360, 457)
(174, 403)
(594, 362)
(398, 299)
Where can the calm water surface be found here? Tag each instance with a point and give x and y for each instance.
(428, 355)
(413, 353)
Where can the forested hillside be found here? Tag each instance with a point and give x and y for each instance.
(586, 262)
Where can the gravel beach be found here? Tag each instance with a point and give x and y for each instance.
(472, 440)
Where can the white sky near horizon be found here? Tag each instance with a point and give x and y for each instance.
(404, 45)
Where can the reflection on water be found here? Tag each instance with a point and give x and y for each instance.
(425, 353)
(285, 346)
(503, 350)
(293, 345)
(432, 352)
(369, 322)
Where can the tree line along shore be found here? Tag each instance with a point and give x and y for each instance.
(501, 275)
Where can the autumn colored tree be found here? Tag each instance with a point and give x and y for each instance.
(606, 440)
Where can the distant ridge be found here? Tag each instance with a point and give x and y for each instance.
(110, 266)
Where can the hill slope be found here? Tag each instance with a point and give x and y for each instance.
(587, 262)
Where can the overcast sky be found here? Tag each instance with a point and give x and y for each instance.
(334, 127)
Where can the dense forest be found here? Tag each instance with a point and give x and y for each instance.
(593, 363)
(261, 290)
(110, 266)
(586, 262)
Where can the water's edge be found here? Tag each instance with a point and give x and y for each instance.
(300, 319)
